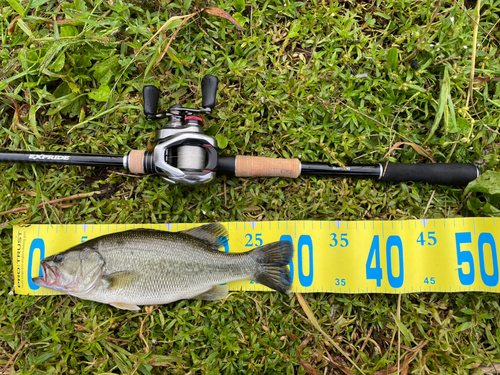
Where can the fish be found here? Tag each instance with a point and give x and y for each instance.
(151, 267)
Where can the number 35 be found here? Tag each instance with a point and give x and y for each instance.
(344, 242)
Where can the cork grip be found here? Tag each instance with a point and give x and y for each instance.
(136, 161)
(254, 166)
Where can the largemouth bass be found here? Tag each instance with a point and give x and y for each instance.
(149, 267)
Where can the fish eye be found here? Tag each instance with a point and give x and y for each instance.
(58, 258)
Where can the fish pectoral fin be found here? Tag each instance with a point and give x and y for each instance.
(125, 306)
(120, 279)
(214, 294)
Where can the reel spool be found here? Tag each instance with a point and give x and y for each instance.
(190, 157)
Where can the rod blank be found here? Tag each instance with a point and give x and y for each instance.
(65, 158)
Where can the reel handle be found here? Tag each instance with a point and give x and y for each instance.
(150, 95)
(209, 86)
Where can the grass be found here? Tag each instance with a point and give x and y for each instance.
(335, 82)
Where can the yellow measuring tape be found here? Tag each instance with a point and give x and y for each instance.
(428, 255)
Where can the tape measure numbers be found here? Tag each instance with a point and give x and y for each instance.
(429, 255)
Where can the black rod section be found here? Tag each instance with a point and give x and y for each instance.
(94, 160)
(323, 169)
(457, 174)
(226, 165)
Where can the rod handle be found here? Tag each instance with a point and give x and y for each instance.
(209, 86)
(140, 162)
(136, 161)
(458, 174)
(255, 166)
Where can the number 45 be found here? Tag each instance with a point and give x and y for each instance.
(431, 240)
(430, 280)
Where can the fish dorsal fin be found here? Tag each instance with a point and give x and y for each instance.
(125, 306)
(120, 279)
(213, 294)
(213, 234)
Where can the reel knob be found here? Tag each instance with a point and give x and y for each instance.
(209, 86)
(150, 95)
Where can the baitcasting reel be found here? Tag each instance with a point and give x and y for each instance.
(183, 153)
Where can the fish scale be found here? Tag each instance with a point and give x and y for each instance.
(171, 270)
(145, 267)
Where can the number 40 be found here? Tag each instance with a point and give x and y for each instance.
(375, 273)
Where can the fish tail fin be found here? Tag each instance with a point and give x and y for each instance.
(272, 265)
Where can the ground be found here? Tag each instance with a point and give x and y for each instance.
(337, 82)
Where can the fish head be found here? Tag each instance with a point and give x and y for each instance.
(75, 271)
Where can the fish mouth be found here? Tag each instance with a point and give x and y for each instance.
(49, 278)
(39, 281)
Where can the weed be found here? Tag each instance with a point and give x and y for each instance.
(337, 81)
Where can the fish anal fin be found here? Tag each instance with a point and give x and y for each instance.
(120, 279)
(213, 294)
(125, 306)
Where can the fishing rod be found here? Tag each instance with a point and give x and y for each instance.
(185, 155)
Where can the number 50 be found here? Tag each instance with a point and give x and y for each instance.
(465, 256)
